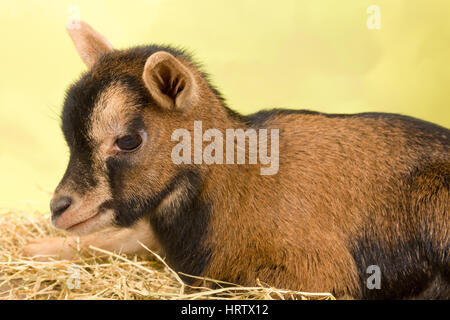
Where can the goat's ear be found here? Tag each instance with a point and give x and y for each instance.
(89, 43)
(170, 83)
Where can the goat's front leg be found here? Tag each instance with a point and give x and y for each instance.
(124, 240)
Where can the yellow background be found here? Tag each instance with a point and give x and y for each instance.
(310, 54)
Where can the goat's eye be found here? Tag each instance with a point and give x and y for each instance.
(129, 142)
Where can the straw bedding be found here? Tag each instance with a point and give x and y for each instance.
(107, 276)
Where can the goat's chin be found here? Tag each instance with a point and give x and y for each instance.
(97, 222)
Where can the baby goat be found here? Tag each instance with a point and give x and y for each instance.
(350, 192)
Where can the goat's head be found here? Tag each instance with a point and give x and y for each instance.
(117, 120)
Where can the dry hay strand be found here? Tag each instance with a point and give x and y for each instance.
(106, 276)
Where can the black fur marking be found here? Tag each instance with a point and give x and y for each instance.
(262, 117)
(181, 227)
(78, 106)
(404, 274)
(116, 168)
(79, 172)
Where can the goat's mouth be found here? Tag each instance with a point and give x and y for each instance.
(77, 225)
(95, 222)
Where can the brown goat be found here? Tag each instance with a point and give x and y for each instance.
(351, 191)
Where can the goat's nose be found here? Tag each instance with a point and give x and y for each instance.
(59, 205)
